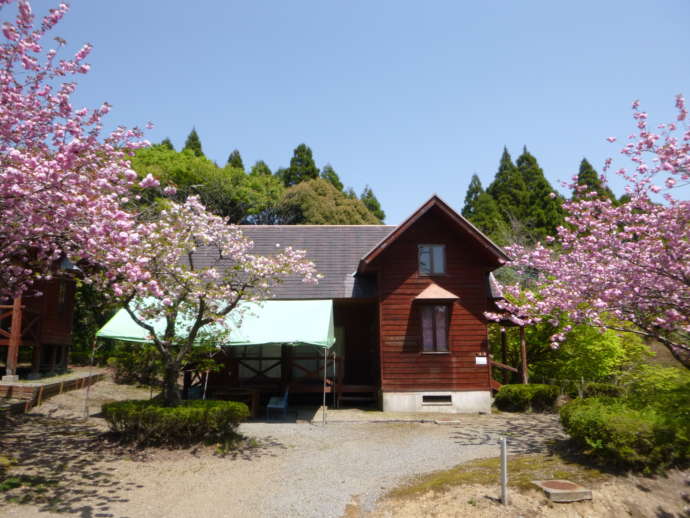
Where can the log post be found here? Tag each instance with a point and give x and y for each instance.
(504, 355)
(53, 359)
(14, 341)
(523, 356)
(35, 362)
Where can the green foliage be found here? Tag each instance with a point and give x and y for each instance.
(523, 398)
(667, 388)
(167, 143)
(542, 213)
(469, 210)
(328, 173)
(317, 202)
(302, 167)
(235, 160)
(136, 363)
(616, 433)
(193, 143)
(590, 180)
(587, 353)
(509, 190)
(368, 198)
(595, 389)
(260, 168)
(149, 423)
(92, 309)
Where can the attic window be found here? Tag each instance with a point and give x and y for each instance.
(432, 259)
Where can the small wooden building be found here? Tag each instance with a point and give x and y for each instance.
(39, 323)
(408, 310)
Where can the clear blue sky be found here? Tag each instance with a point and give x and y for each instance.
(411, 98)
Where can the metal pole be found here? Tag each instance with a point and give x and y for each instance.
(504, 471)
(325, 364)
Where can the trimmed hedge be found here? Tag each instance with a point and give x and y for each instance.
(523, 398)
(602, 389)
(149, 423)
(645, 439)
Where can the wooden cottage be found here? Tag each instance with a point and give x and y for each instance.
(408, 312)
(39, 324)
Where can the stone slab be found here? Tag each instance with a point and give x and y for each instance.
(563, 491)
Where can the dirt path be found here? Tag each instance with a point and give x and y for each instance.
(295, 470)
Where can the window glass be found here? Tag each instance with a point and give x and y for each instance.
(438, 259)
(425, 260)
(427, 328)
(440, 324)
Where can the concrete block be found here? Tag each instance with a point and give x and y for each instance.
(563, 491)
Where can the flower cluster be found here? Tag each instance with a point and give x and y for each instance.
(627, 262)
(61, 180)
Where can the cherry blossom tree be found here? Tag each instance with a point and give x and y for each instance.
(614, 265)
(63, 182)
(189, 270)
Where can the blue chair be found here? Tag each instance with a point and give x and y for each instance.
(278, 403)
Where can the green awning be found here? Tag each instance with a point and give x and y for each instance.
(292, 322)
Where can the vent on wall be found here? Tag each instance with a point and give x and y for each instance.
(437, 400)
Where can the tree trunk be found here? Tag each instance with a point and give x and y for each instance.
(171, 390)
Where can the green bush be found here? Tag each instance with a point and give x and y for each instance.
(602, 389)
(149, 423)
(523, 398)
(135, 363)
(614, 432)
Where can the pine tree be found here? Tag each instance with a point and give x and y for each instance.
(372, 203)
(193, 143)
(542, 213)
(488, 219)
(508, 190)
(473, 191)
(235, 160)
(589, 181)
(302, 167)
(260, 168)
(167, 143)
(328, 173)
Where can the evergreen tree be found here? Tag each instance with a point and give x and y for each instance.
(328, 173)
(302, 167)
(487, 218)
(542, 213)
(260, 168)
(473, 191)
(372, 203)
(508, 190)
(589, 181)
(167, 144)
(193, 143)
(235, 160)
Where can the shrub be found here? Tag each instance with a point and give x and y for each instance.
(135, 363)
(522, 398)
(149, 423)
(602, 389)
(614, 432)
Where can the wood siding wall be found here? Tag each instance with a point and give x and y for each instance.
(56, 314)
(403, 366)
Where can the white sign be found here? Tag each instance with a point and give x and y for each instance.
(480, 360)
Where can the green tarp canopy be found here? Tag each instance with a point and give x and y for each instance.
(293, 322)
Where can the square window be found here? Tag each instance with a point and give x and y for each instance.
(432, 259)
(434, 319)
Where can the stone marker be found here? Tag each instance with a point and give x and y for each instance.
(563, 490)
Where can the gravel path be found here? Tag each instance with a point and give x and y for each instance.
(299, 470)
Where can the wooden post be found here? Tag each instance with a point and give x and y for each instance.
(36, 361)
(15, 339)
(504, 471)
(53, 358)
(523, 355)
(504, 355)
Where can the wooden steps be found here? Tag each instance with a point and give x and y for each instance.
(357, 394)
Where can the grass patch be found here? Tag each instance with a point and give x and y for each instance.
(522, 469)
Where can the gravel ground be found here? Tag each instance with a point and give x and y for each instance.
(298, 469)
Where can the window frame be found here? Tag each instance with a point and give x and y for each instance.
(435, 347)
(432, 272)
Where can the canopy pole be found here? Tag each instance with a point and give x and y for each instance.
(325, 367)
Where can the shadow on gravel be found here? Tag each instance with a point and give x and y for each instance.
(525, 433)
(60, 464)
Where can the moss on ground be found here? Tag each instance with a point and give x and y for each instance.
(522, 469)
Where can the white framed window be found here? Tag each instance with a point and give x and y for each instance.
(432, 259)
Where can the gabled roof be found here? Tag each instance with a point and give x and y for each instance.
(434, 202)
(435, 292)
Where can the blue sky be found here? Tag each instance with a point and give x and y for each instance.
(411, 98)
